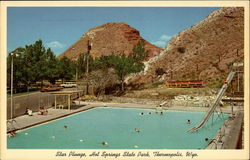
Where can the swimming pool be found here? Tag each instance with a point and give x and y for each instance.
(116, 126)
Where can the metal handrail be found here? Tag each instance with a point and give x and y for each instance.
(215, 104)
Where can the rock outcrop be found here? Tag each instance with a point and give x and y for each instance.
(204, 51)
(109, 38)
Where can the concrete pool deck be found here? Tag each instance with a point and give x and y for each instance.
(226, 109)
(26, 121)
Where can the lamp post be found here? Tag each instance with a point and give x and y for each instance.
(11, 87)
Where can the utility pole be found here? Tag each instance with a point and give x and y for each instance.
(87, 67)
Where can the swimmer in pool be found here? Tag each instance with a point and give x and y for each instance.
(188, 121)
(142, 113)
(104, 143)
(66, 127)
(210, 140)
(12, 134)
(161, 113)
(136, 130)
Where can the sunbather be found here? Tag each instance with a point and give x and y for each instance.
(29, 112)
(42, 111)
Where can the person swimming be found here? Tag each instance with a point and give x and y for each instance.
(210, 140)
(12, 134)
(161, 113)
(66, 127)
(142, 113)
(136, 130)
(188, 121)
(104, 143)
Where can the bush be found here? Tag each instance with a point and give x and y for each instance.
(215, 83)
(155, 84)
(181, 49)
(159, 71)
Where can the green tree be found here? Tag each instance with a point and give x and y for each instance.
(124, 65)
(17, 68)
(81, 64)
(66, 68)
(139, 53)
(36, 63)
(104, 62)
(52, 72)
(33, 63)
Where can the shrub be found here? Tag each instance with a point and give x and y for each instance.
(181, 49)
(156, 84)
(159, 71)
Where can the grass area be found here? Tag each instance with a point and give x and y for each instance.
(161, 92)
(21, 94)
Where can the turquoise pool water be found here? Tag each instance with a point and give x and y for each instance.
(88, 129)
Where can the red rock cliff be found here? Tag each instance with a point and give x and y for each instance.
(109, 38)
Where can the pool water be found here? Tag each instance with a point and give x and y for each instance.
(88, 129)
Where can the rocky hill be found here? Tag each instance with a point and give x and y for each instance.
(109, 38)
(204, 51)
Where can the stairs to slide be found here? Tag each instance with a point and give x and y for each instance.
(215, 104)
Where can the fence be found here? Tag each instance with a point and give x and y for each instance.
(185, 84)
(33, 102)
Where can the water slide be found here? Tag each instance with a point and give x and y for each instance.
(215, 104)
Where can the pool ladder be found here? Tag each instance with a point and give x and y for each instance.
(215, 104)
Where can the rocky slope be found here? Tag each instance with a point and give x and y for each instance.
(204, 51)
(109, 38)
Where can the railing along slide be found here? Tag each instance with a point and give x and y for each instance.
(215, 104)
